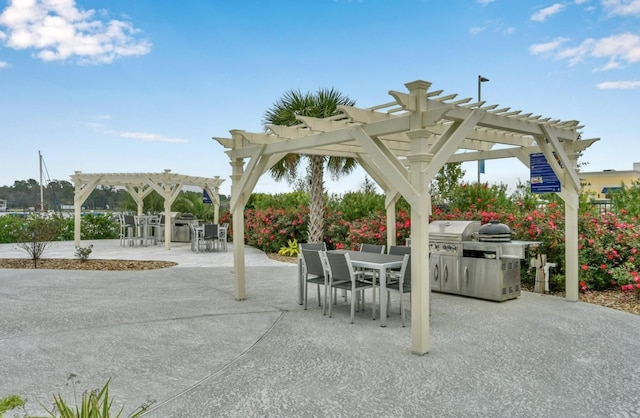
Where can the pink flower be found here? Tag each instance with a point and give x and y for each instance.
(585, 267)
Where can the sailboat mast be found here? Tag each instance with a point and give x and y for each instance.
(41, 184)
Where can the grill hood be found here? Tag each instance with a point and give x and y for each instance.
(456, 231)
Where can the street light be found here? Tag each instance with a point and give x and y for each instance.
(481, 80)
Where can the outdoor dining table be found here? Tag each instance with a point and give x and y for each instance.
(371, 261)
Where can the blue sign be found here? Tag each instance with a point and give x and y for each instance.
(543, 178)
(206, 198)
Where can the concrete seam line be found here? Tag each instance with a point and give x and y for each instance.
(218, 372)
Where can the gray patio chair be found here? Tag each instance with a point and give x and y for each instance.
(318, 246)
(400, 283)
(223, 231)
(210, 236)
(399, 250)
(160, 230)
(372, 248)
(130, 229)
(313, 272)
(341, 275)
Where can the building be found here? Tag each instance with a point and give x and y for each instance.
(600, 184)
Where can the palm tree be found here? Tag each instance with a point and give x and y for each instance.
(322, 104)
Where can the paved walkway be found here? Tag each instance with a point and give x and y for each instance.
(176, 337)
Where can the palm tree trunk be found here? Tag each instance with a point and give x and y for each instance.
(316, 206)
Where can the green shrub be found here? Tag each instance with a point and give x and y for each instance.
(94, 404)
(10, 402)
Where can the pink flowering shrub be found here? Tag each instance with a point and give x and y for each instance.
(608, 242)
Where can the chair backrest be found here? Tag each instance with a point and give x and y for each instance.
(339, 266)
(210, 231)
(405, 270)
(399, 250)
(313, 262)
(161, 220)
(129, 220)
(372, 248)
(318, 246)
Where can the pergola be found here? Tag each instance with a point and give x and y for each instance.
(139, 185)
(402, 145)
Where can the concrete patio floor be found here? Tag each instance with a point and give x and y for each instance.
(177, 338)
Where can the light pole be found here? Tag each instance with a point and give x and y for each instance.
(481, 80)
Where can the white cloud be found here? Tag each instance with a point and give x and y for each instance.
(4, 64)
(620, 50)
(150, 137)
(547, 47)
(619, 85)
(579, 2)
(57, 30)
(477, 29)
(493, 25)
(485, 2)
(622, 7)
(542, 14)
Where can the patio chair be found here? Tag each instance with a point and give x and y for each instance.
(313, 271)
(223, 231)
(372, 248)
(341, 275)
(210, 236)
(196, 237)
(130, 228)
(123, 230)
(159, 230)
(318, 246)
(399, 250)
(400, 283)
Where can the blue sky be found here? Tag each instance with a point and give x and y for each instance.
(142, 86)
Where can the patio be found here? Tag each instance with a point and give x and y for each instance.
(179, 337)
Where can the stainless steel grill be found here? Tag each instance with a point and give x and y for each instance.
(461, 262)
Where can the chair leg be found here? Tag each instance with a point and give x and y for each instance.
(354, 298)
(306, 285)
(318, 286)
(402, 307)
(373, 290)
(388, 303)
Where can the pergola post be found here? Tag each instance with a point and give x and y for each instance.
(237, 213)
(420, 286)
(571, 203)
(419, 159)
(77, 215)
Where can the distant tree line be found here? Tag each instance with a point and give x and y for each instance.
(24, 195)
